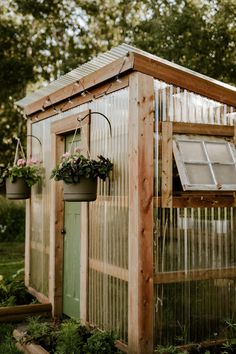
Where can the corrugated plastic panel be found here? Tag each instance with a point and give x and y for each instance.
(192, 239)
(108, 215)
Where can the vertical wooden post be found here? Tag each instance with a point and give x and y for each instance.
(140, 298)
(167, 166)
(28, 217)
(56, 238)
(84, 235)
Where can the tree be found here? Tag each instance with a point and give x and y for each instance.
(199, 35)
(41, 40)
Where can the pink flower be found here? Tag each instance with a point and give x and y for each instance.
(32, 162)
(21, 162)
(78, 150)
(66, 154)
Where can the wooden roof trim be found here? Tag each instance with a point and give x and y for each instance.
(118, 67)
(187, 79)
(108, 87)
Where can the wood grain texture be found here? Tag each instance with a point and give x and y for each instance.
(78, 100)
(167, 165)
(108, 72)
(84, 236)
(193, 275)
(28, 216)
(59, 129)
(184, 78)
(140, 302)
(201, 129)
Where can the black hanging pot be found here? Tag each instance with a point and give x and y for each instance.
(84, 191)
(17, 189)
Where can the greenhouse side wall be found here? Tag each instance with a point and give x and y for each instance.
(108, 227)
(108, 215)
(40, 210)
(191, 239)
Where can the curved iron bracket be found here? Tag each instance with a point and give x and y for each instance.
(101, 114)
(33, 136)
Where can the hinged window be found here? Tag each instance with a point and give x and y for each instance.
(205, 163)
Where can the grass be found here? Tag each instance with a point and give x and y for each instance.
(11, 258)
(7, 343)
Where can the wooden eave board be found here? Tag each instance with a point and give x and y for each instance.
(191, 81)
(168, 73)
(118, 67)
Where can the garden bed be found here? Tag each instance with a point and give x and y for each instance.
(29, 348)
(40, 337)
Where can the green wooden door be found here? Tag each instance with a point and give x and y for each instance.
(71, 274)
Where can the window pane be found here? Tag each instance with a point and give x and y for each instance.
(192, 151)
(199, 174)
(219, 152)
(225, 174)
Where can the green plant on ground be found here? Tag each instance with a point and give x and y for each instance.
(7, 344)
(71, 337)
(13, 291)
(39, 332)
(101, 342)
(169, 350)
(68, 337)
(12, 220)
(230, 327)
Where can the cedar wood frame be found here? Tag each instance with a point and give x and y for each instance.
(137, 73)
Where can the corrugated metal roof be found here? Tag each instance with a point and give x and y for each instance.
(97, 63)
(78, 73)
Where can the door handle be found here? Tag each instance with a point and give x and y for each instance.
(63, 232)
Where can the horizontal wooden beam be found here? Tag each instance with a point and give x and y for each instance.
(70, 123)
(79, 100)
(182, 77)
(20, 312)
(110, 71)
(193, 275)
(199, 201)
(201, 129)
(109, 269)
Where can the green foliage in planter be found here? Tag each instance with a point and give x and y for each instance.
(68, 337)
(12, 220)
(29, 170)
(13, 292)
(71, 337)
(39, 332)
(74, 166)
(7, 344)
(101, 342)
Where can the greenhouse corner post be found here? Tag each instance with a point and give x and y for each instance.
(140, 296)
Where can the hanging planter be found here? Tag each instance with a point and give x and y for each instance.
(85, 190)
(17, 189)
(80, 174)
(21, 176)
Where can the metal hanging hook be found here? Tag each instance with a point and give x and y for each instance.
(101, 114)
(33, 136)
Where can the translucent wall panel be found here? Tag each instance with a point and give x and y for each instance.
(40, 212)
(194, 249)
(108, 228)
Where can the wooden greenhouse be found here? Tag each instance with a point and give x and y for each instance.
(154, 257)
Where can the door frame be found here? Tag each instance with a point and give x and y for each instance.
(59, 129)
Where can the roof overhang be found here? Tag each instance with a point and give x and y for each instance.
(120, 61)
